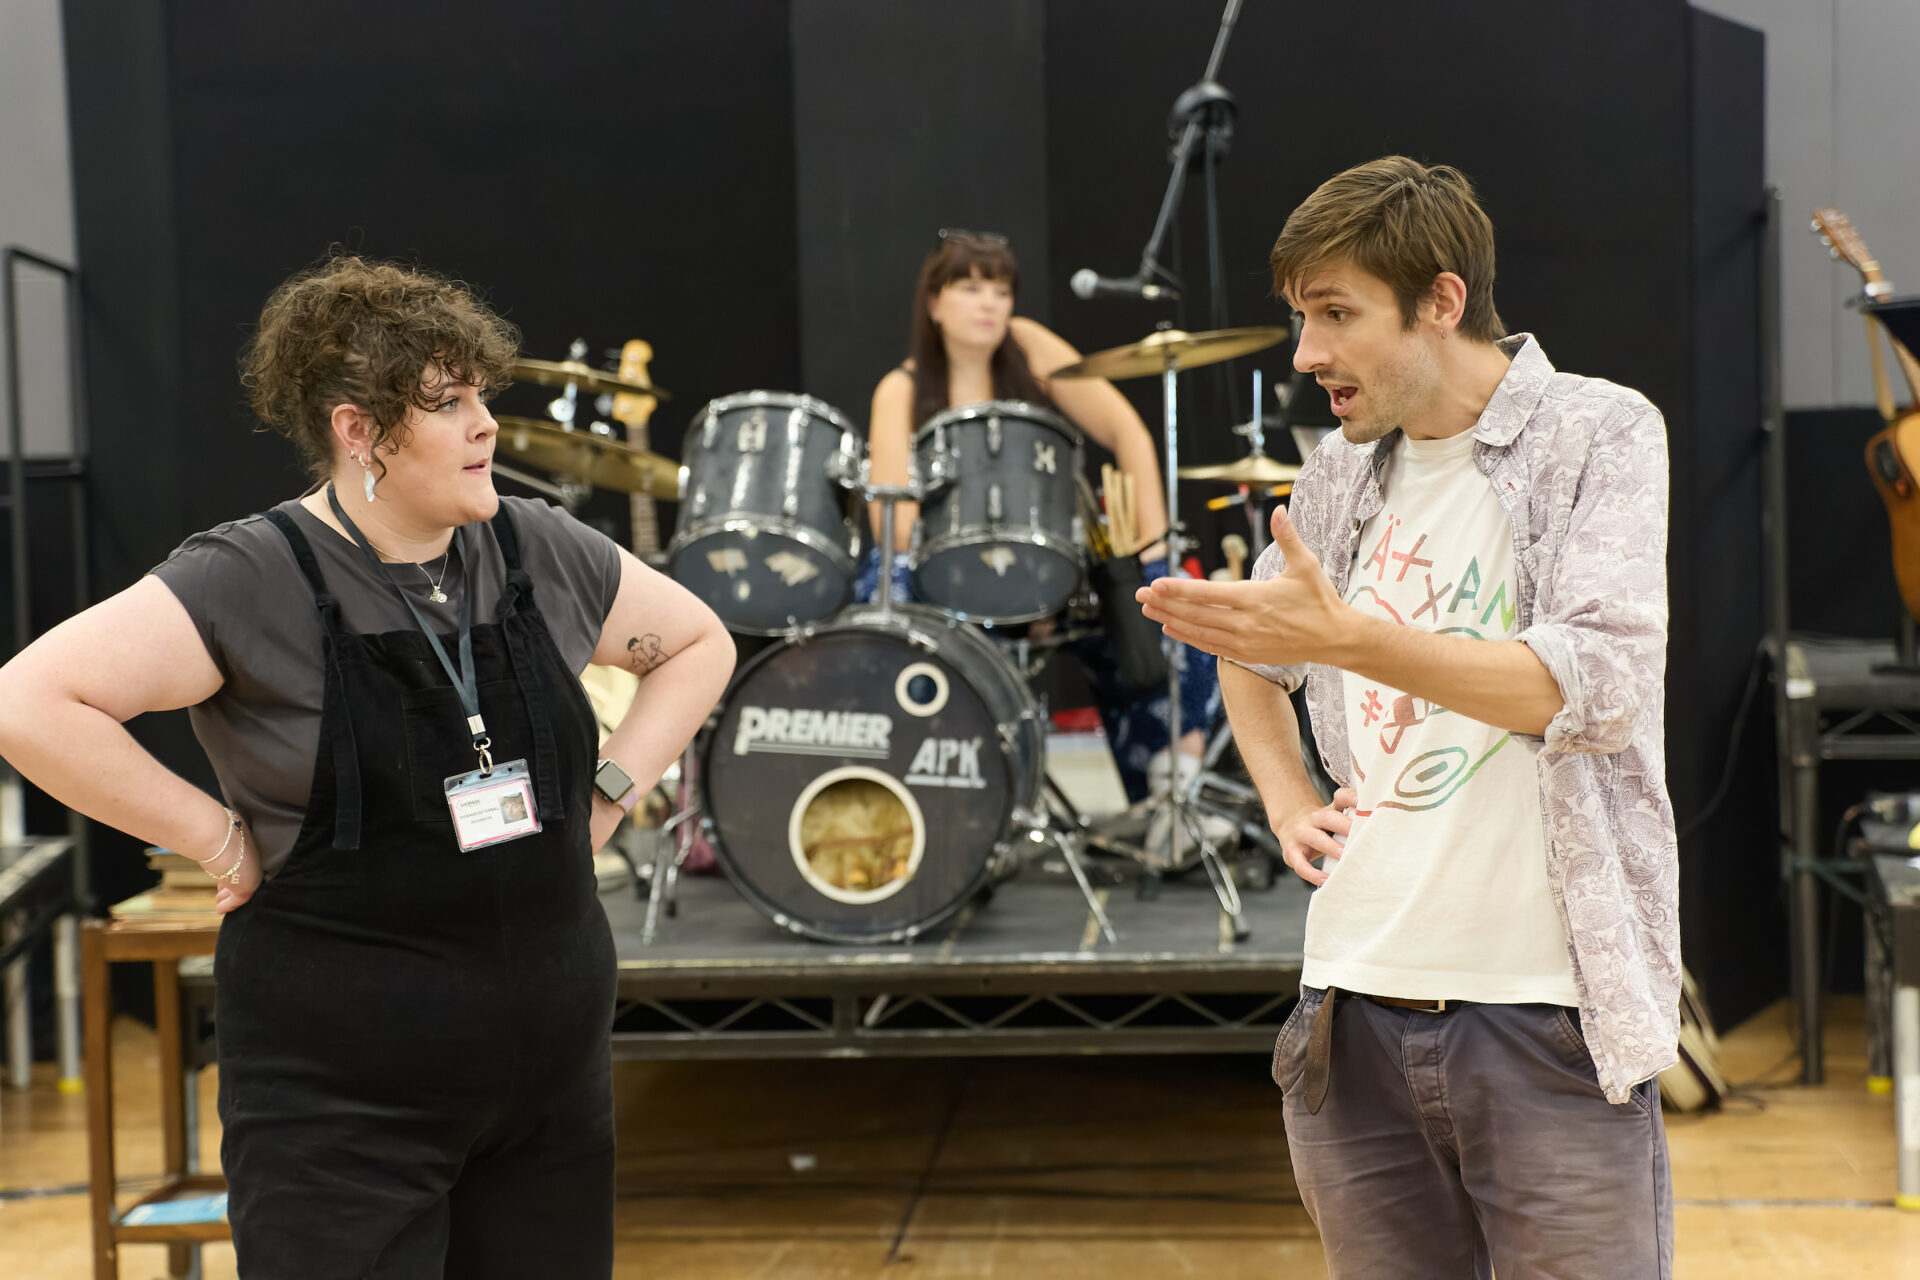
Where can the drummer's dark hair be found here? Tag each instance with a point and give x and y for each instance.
(351, 331)
(960, 255)
(1404, 222)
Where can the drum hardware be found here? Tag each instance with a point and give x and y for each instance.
(1167, 353)
(672, 844)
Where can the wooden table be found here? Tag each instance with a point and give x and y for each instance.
(164, 943)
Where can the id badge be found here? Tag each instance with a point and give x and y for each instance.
(492, 808)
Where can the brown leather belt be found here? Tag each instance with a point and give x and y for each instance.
(1428, 1006)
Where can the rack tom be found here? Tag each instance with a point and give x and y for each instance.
(763, 536)
(998, 538)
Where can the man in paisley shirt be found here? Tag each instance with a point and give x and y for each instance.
(1472, 585)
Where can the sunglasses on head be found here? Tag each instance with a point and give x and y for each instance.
(955, 233)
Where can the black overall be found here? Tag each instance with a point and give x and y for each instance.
(414, 1041)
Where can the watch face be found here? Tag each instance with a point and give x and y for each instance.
(611, 780)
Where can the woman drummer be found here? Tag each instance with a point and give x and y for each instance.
(415, 975)
(967, 346)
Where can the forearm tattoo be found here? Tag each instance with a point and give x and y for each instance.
(644, 653)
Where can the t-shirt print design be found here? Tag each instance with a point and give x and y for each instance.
(1462, 603)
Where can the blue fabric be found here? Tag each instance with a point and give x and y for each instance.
(1135, 721)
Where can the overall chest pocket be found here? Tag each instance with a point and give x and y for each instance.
(439, 746)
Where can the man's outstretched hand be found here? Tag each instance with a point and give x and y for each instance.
(1295, 617)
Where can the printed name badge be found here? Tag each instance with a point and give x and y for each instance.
(492, 808)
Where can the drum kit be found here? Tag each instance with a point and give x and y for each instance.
(880, 766)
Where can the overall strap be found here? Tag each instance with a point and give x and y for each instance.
(515, 602)
(346, 759)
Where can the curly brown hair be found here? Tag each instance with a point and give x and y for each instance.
(382, 336)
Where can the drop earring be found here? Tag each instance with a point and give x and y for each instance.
(369, 477)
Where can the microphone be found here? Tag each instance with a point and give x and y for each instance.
(1088, 284)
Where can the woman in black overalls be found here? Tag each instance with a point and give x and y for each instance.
(414, 1038)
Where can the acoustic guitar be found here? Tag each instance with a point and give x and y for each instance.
(1894, 453)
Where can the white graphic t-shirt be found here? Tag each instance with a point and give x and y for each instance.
(1442, 892)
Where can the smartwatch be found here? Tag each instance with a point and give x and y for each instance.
(616, 784)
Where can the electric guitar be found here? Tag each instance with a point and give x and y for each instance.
(1893, 454)
(634, 409)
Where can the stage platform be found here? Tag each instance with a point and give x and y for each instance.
(1026, 972)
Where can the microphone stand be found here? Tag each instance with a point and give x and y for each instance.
(1204, 111)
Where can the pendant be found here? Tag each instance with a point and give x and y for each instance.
(437, 597)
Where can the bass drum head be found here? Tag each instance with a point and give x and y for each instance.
(758, 580)
(855, 784)
(997, 581)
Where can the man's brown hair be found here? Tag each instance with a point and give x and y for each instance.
(351, 331)
(1404, 222)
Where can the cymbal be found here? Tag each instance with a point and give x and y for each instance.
(600, 461)
(560, 373)
(1256, 470)
(1156, 353)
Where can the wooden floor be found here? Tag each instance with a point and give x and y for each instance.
(1051, 1167)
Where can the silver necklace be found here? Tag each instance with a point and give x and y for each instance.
(438, 596)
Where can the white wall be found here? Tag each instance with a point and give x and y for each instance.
(36, 208)
(1843, 129)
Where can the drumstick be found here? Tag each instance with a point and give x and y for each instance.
(1116, 509)
(1234, 547)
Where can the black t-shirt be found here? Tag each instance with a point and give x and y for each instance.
(255, 613)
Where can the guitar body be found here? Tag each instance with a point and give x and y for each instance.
(1890, 458)
(1892, 453)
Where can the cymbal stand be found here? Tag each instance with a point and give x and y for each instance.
(1180, 798)
(1254, 429)
(671, 847)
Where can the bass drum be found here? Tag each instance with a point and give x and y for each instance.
(864, 782)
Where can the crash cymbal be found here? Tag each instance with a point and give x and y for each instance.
(1153, 355)
(600, 461)
(560, 373)
(1254, 470)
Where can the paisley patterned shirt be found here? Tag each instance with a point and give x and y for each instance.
(1580, 466)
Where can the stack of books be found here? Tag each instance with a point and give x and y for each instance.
(185, 892)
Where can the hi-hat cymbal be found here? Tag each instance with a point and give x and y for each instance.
(560, 373)
(1172, 348)
(600, 461)
(1255, 470)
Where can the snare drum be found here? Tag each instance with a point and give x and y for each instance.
(763, 537)
(998, 538)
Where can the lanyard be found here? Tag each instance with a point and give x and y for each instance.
(463, 680)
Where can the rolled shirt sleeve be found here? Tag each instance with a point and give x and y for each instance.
(1603, 632)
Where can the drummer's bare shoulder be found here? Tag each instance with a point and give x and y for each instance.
(1046, 351)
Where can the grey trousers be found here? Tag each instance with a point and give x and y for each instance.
(1470, 1142)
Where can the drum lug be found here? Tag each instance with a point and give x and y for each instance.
(995, 510)
(709, 429)
(993, 436)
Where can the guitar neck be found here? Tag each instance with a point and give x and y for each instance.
(646, 522)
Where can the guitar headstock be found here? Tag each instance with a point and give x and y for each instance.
(632, 407)
(1836, 229)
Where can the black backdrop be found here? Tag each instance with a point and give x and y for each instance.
(749, 183)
